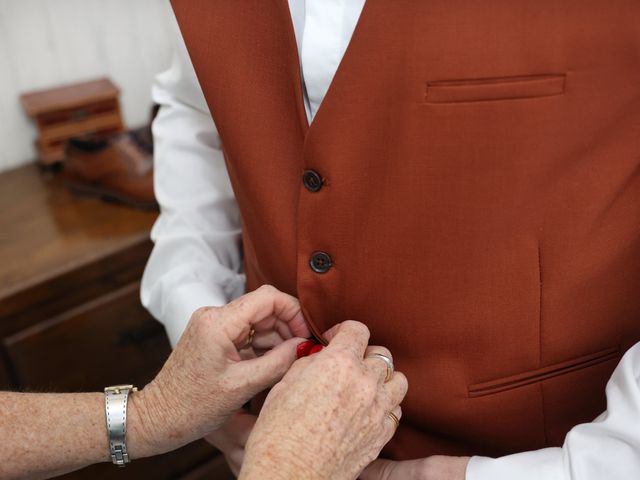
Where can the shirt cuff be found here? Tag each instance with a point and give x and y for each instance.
(546, 463)
(185, 300)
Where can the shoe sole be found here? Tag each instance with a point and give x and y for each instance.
(111, 197)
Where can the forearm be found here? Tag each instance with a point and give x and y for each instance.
(45, 435)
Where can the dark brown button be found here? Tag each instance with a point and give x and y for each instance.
(320, 262)
(312, 180)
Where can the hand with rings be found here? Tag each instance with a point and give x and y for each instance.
(333, 411)
(384, 355)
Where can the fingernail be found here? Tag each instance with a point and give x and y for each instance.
(316, 349)
(304, 348)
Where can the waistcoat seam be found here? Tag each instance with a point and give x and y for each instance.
(540, 318)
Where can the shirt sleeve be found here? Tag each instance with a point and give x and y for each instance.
(607, 448)
(196, 260)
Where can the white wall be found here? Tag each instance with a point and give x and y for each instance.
(46, 43)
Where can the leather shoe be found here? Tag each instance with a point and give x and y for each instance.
(114, 168)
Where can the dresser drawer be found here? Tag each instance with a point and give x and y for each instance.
(196, 457)
(58, 134)
(214, 469)
(5, 381)
(110, 340)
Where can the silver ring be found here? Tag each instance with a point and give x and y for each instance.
(388, 362)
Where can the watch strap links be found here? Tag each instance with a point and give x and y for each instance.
(116, 399)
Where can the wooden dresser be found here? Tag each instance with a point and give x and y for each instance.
(70, 271)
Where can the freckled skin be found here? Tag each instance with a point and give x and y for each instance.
(202, 384)
(431, 468)
(325, 419)
(330, 439)
(217, 380)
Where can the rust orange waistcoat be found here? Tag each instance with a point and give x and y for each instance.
(481, 197)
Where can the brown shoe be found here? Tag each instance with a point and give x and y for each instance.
(114, 169)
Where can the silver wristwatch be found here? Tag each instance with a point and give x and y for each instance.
(115, 403)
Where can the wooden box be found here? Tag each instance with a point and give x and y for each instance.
(70, 111)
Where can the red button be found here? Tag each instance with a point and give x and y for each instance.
(304, 349)
(316, 349)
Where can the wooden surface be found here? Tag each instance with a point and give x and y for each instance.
(70, 314)
(114, 326)
(4, 374)
(214, 469)
(63, 113)
(80, 126)
(52, 233)
(69, 96)
(178, 465)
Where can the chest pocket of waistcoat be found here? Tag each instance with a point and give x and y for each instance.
(493, 89)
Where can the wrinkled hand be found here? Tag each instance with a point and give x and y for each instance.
(206, 379)
(431, 468)
(232, 437)
(327, 418)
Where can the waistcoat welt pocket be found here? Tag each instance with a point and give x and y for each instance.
(491, 89)
(526, 378)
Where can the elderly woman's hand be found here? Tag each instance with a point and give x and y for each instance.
(329, 416)
(209, 376)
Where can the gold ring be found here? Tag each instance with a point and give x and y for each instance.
(388, 362)
(252, 333)
(394, 418)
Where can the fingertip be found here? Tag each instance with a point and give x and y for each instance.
(404, 381)
(290, 344)
(352, 327)
(264, 372)
(283, 356)
(358, 327)
(350, 334)
(299, 326)
(331, 333)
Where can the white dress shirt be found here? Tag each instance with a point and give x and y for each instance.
(197, 260)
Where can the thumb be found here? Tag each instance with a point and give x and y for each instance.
(264, 372)
(378, 470)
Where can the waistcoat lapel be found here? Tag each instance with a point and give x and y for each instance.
(367, 77)
(293, 58)
(259, 38)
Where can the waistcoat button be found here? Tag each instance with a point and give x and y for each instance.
(320, 262)
(312, 181)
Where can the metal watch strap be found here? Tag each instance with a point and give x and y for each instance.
(115, 403)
